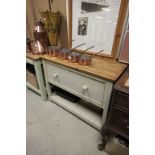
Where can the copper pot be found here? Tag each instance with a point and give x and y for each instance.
(53, 51)
(63, 54)
(85, 60)
(74, 57)
(38, 48)
(40, 34)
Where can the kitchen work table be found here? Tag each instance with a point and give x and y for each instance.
(39, 84)
(92, 83)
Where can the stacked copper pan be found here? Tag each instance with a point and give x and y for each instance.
(70, 55)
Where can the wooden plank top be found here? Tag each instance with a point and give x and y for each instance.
(32, 56)
(100, 67)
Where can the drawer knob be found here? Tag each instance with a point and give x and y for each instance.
(55, 75)
(85, 87)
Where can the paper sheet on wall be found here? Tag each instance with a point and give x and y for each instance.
(94, 23)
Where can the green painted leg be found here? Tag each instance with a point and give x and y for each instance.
(48, 86)
(40, 79)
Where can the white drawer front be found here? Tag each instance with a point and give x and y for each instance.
(85, 87)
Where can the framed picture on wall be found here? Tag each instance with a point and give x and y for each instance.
(96, 23)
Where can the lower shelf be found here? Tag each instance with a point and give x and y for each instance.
(83, 112)
(33, 88)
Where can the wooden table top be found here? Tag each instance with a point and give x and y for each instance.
(32, 56)
(100, 67)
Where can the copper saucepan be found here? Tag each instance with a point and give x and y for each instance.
(58, 51)
(73, 55)
(53, 51)
(85, 59)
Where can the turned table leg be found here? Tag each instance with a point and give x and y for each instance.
(104, 133)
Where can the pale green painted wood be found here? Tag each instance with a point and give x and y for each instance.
(106, 94)
(74, 83)
(40, 79)
(48, 87)
(29, 61)
(39, 74)
(106, 100)
(79, 110)
(33, 88)
(75, 71)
